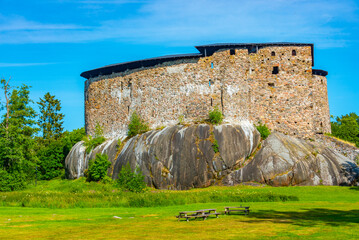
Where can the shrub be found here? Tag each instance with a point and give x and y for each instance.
(263, 130)
(11, 181)
(215, 146)
(132, 181)
(92, 142)
(98, 168)
(51, 158)
(215, 116)
(181, 119)
(137, 125)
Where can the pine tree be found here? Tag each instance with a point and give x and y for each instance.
(51, 119)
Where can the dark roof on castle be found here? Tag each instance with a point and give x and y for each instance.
(319, 72)
(205, 50)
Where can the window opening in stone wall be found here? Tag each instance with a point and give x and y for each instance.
(209, 82)
(128, 109)
(121, 85)
(252, 49)
(271, 84)
(321, 81)
(211, 102)
(275, 70)
(273, 53)
(294, 53)
(212, 65)
(232, 51)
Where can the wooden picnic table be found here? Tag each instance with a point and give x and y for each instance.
(228, 210)
(203, 213)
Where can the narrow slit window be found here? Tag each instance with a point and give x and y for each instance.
(275, 70)
(294, 53)
(232, 51)
(273, 53)
(271, 84)
(211, 102)
(212, 65)
(209, 82)
(128, 109)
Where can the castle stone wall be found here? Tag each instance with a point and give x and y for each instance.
(242, 85)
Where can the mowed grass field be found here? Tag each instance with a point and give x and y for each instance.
(320, 212)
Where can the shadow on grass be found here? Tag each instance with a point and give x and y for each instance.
(307, 217)
(356, 188)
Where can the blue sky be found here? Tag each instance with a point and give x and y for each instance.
(47, 43)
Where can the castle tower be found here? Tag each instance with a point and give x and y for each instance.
(269, 82)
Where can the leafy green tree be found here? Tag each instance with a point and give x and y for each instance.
(52, 158)
(51, 119)
(52, 154)
(346, 127)
(17, 130)
(69, 139)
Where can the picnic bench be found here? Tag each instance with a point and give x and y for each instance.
(203, 213)
(228, 210)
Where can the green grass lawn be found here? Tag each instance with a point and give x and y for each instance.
(320, 213)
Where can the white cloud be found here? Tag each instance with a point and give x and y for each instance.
(18, 23)
(23, 64)
(196, 22)
(111, 1)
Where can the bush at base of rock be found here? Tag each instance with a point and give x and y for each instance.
(98, 168)
(132, 181)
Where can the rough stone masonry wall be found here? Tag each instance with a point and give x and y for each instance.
(293, 101)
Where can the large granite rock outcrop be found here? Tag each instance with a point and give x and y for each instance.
(285, 160)
(183, 157)
(176, 157)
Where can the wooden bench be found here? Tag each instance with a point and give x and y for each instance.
(228, 210)
(203, 213)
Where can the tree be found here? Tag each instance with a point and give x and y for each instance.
(346, 127)
(6, 87)
(51, 119)
(136, 125)
(52, 154)
(17, 130)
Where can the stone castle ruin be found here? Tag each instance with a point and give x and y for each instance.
(273, 83)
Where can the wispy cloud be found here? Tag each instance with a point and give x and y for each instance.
(190, 22)
(23, 64)
(112, 1)
(19, 23)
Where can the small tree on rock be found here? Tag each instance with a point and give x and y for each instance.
(137, 125)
